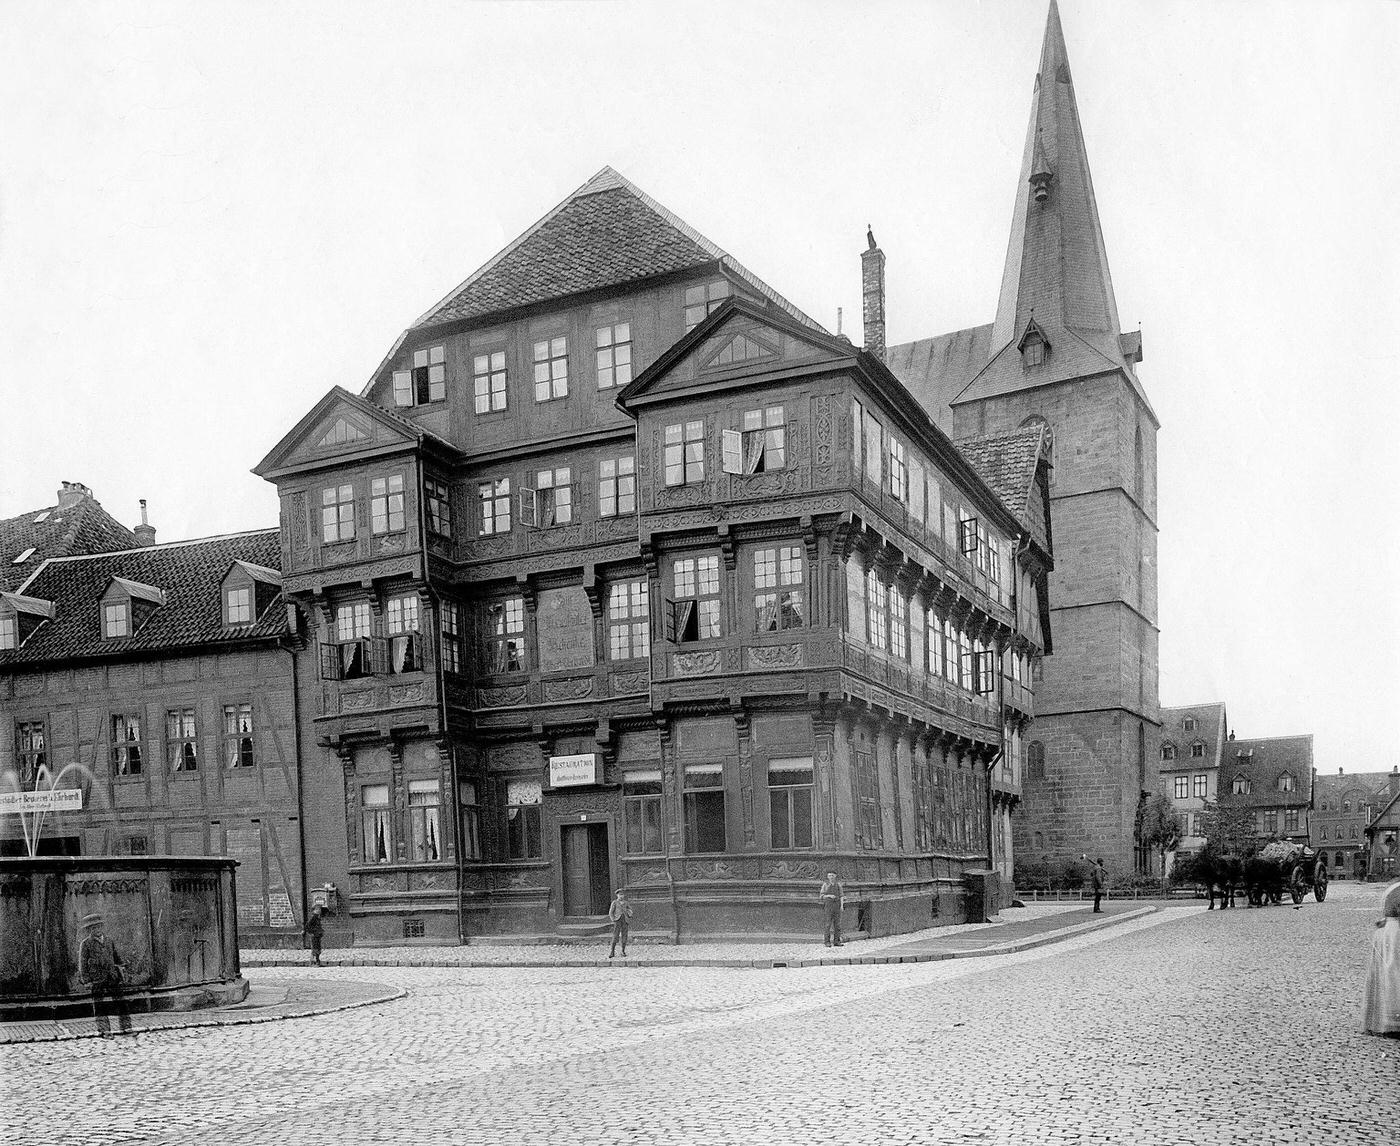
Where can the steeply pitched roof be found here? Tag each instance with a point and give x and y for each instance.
(1263, 761)
(936, 370)
(1007, 463)
(1334, 787)
(82, 526)
(606, 233)
(1211, 730)
(189, 573)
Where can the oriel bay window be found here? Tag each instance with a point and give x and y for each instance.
(452, 659)
(350, 655)
(181, 740)
(629, 624)
(495, 506)
(424, 828)
(523, 827)
(505, 627)
(489, 382)
(869, 831)
(471, 820)
(439, 503)
(777, 582)
(641, 798)
(760, 445)
(899, 470)
(338, 514)
(426, 382)
(126, 744)
(378, 840)
(877, 605)
(617, 486)
(937, 637)
(704, 808)
(899, 624)
(238, 736)
(551, 502)
(693, 614)
(403, 626)
(551, 369)
(790, 803)
(386, 504)
(683, 450)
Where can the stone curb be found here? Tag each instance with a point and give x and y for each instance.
(1007, 948)
(68, 1030)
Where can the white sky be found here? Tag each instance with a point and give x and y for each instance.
(210, 214)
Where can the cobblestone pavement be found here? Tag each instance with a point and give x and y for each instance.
(1180, 1027)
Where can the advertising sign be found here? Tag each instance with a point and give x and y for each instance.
(570, 771)
(58, 800)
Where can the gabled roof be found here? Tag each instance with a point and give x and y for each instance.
(1334, 787)
(82, 526)
(188, 573)
(936, 370)
(1263, 761)
(1387, 816)
(1008, 463)
(398, 431)
(1211, 729)
(606, 233)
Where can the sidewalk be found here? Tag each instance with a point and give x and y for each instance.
(1017, 929)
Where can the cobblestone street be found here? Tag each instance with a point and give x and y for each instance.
(1181, 1027)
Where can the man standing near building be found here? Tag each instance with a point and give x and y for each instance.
(1099, 878)
(315, 929)
(832, 896)
(100, 966)
(621, 914)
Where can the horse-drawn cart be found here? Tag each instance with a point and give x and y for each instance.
(1282, 868)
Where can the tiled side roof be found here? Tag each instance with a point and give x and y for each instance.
(1271, 757)
(606, 233)
(1007, 463)
(1333, 787)
(189, 573)
(936, 370)
(83, 527)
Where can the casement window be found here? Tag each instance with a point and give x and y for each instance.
(704, 809)
(1033, 350)
(471, 820)
(916, 490)
(505, 624)
(899, 470)
(923, 808)
(877, 598)
(424, 825)
(968, 536)
(1287, 782)
(1240, 786)
(1180, 786)
(857, 435)
(777, 583)
(126, 744)
(523, 828)
(983, 548)
(1198, 786)
(238, 606)
(703, 300)
(965, 661)
(437, 498)
(984, 668)
(683, 446)
(403, 626)
(641, 802)
(337, 514)
(613, 355)
(386, 504)
(994, 561)
(1198, 751)
(551, 369)
(694, 609)
(1168, 751)
(238, 736)
(452, 658)
(116, 619)
(874, 436)
(790, 803)
(899, 624)
(489, 382)
(350, 655)
(617, 486)
(937, 634)
(9, 632)
(376, 823)
(425, 382)
(1270, 822)
(181, 740)
(551, 502)
(629, 624)
(870, 832)
(495, 506)
(759, 446)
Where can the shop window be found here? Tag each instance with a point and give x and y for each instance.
(629, 625)
(238, 736)
(523, 826)
(694, 610)
(777, 579)
(126, 744)
(181, 740)
(790, 803)
(375, 823)
(641, 797)
(704, 809)
(424, 800)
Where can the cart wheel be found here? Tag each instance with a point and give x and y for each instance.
(1297, 883)
(1320, 885)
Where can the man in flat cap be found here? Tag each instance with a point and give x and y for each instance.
(100, 966)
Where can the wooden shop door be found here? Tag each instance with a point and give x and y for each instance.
(587, 885)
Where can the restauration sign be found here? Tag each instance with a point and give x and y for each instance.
(57, 800)
(571, 771)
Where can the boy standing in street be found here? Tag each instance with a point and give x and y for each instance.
(832, 896)
(621, 914)
(314, 930)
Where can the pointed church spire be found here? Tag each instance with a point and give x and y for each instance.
(1056, 265)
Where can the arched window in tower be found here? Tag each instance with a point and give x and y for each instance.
(1139, 484)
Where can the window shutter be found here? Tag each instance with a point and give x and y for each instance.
(967, 535)
(529, 507)
(732, 443)
(330, 662)
(670, 621)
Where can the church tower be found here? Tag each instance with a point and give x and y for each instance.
(1056, 354)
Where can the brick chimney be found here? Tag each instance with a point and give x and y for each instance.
(1393, 783)
(72, 492)
(145, 532)
(872, 284)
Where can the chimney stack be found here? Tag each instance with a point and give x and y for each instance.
(872, 276)
(145, 532)
(72, 492)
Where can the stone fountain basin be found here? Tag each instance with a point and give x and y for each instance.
(173, 921)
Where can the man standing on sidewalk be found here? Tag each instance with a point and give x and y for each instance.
(832, 896)
(621, 914)
(1100, 881)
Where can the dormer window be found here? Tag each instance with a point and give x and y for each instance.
(1288, 782)
(1168, 751)
(239, 606)
(1198, 751)
(1189, 724)
(116, 619)
(1034, 346)
(20, 616)
(126, 605)
(1240, 786)
(246, 591)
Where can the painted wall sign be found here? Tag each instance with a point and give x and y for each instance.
(58, 800)
(570, 771)
(564, 629)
